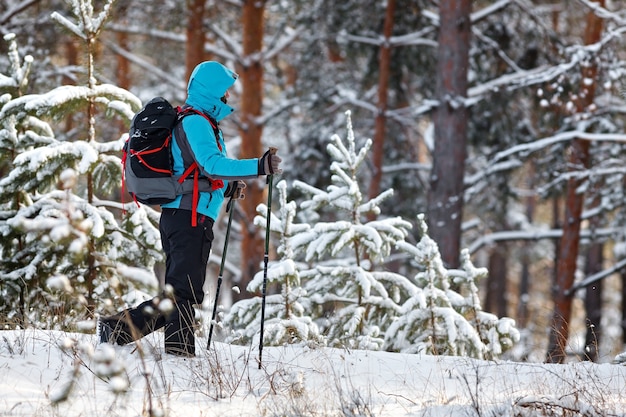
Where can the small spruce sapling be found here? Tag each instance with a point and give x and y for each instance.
(497, 334)
(353, 296)
(440, 321)
(285, 316)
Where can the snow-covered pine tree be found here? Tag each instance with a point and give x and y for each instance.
(64, 254)
(285, 318)
(440, 321)
(497, 334)
(13, 142)
(349, 291)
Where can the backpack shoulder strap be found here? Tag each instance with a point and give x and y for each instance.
(188, 159)
(184, 146)
(187, 110)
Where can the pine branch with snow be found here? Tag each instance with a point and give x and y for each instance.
(20, 68)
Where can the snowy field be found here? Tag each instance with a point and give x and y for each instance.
(62, 374)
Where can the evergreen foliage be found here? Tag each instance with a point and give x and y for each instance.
(285, 316)
(347, 282)
(439, 320)
(342, 283)
(65, 255)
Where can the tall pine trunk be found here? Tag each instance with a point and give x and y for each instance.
(251, 130)
(524, 284)
(497, 289)
(578, 159)
(593, 302)
(384, 68)
(195, 35)
(122, 70)
(623, 324)
(445, 200)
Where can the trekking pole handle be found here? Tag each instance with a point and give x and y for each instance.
(272, 150)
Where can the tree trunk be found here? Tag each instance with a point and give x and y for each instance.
(195, 35)
(445, 200)
(578, 159)
(623, 277)
(251, 76)
(568, 254)
(496, 301)
(72, 56)
(122, 71)
(524, 286)
(593, 302)
(384, 67)
(593, 293)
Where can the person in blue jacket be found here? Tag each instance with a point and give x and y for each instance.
(186, 225)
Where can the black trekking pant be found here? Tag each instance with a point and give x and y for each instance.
(186, 252)
(186, 255)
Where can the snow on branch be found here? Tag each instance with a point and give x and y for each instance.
(597, 277)
(145, 65)
(560, 137)
(66, 23)
(231, 43)
(411, 39)
(476, 16)
(154, 33)
(88, 24)
(64, 96)
(436, 319)
(19, 71)
(500, 162)
(283, 43)
(542, 74)
(512, 235)
(602, 12)
(285, 317)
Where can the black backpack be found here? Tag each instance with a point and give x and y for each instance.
(147, 157)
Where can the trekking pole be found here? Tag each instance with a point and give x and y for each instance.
(229, 208)
(270, 179)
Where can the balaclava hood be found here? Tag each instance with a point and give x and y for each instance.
(207, 85)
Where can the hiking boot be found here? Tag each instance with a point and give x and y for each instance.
(105, 331)
(179, 331)
(112, 330)
(131, 324)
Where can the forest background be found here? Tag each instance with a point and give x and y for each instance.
(501, 121)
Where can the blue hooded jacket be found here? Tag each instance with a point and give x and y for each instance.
(208, 83)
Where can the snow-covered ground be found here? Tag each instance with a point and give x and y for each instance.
(46, 373)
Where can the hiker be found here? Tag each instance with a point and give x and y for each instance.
(186, 245)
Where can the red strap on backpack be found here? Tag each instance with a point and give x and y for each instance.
(194, 205)
(124, 161)
(139, 155)
(124, 156)
(215, 184)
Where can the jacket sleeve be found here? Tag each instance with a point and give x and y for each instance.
(213, 162)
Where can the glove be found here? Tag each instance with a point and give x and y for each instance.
(268, 164)
(235, 190)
